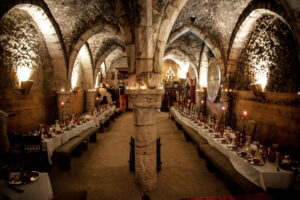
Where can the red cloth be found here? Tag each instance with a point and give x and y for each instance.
(258, 196)
(192, 94)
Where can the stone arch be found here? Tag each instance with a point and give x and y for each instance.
(103, 57)
(171, 51)
(84, 38)
(53, 39)
(85, 62)
(244, 26)
(207, 40)
(171, 12)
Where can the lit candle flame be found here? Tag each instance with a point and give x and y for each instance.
(245, 114)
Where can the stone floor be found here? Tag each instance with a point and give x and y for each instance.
(104, 171)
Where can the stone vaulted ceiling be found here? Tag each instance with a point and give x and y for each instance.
(75, 17)
(101, 42)
(189, 44)
(216, 18)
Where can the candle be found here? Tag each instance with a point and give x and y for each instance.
(97, 98)
(62, 104)
(223, 108)
(202, 102)
(245, 114)
(62, 89)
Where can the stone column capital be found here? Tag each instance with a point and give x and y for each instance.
(63, 96)
(145, 98)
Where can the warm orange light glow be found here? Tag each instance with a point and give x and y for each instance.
(223, 108)
(62, 104)
(262, 76)
(23, 73)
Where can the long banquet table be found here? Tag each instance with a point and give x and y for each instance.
(50, 144)
(266, 176)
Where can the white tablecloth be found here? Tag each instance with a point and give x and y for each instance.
(50, 144)
(39, 190)
(265, 176)
(102, 116)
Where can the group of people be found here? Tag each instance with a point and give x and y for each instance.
(182, 95)
(113, 95)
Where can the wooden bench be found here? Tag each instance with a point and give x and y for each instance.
(104, 122)
(64, 152)
(223, 165)
(89, 134)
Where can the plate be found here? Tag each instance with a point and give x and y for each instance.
(243, 154)
(256, 161)
(24, 177)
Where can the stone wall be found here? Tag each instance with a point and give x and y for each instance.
(39, 107)
(277, 117)
(77, 102)
(271, 52)
(77, 74)
(276, 123)
(22, 44)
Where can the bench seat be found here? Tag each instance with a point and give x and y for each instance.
(69, 147)
(64, 152)
(224, 166)
(91, 133)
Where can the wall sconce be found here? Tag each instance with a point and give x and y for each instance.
(75, 89)
(25, 87)
(256, 89)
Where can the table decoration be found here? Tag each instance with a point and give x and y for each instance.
(261, 172)
(23, 177)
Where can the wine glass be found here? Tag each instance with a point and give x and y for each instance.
(253, 148)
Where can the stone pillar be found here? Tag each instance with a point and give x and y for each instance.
(63, 97)
(145, 103)
(90, 98)
(4, 143)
